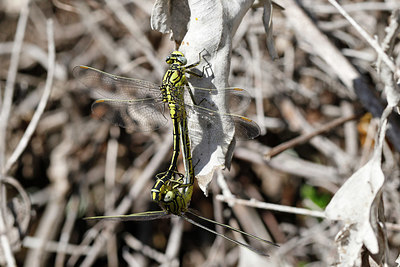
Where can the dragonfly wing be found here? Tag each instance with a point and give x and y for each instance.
(135, 115)
(130, 103)
(224, 236)
(116, 87)
(141, 216)
(192, 212)
(210, 120)
(245, 128)
(236, 99)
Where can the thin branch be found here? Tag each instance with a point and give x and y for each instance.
(175, 240)
(110, 169)
(67, 230)
(132, 26)
(61, 5)
(43, 101)
(372, 42)
(12, 74)
(392, 226)
(392, 90)
(297, 121)
(262, 205)
(4, 115)
(354, 7)
(51, 246)
(26, 200)
(321, 46)
(126, 203)
(307, 136)
(324, 176)
(146, 250)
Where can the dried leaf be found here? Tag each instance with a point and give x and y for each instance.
(208, 27)
(171, 16)
(354, 200)
(160, 16)
(357, 204)
(267, 21)
(249, 258)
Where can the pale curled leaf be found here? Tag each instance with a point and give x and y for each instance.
(259, 3)
(353, 202)
(392, 88)
(398, 260)
(171, 16)
(160, 17)
(267, 21)
(393, 95)
(357, 203)
(206, 26)
(349, 246)
(250, 258)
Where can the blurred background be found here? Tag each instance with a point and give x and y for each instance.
(76, 166)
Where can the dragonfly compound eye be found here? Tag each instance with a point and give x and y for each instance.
(182, 60)
(169, 196)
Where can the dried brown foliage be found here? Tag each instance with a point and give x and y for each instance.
(328, 87)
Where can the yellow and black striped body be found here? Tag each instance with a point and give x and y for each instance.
(136, 105)
(173, 200)
(171, 193)
(166, 185)
(188, 162)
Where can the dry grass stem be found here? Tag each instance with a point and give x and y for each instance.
(321, 179)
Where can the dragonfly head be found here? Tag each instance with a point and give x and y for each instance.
(169, 196)
(173, 202)
(176, 57)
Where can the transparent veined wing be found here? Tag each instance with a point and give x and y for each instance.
(236, 99)
(137, 105)
(130, 103)
(116, 87)
(141, 216)
(135, 115)
(184, 216)
(154, 215)
(194, 213)
(245, 128)
(121, 88)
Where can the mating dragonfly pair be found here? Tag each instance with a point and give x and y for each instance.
(139, 105)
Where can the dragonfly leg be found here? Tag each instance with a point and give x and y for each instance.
(187, 70)
(191, 66)
(165, 181)
(205, 100)
(197, 62)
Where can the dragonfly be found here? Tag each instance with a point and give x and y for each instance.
(175, 204)
(139, 105)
